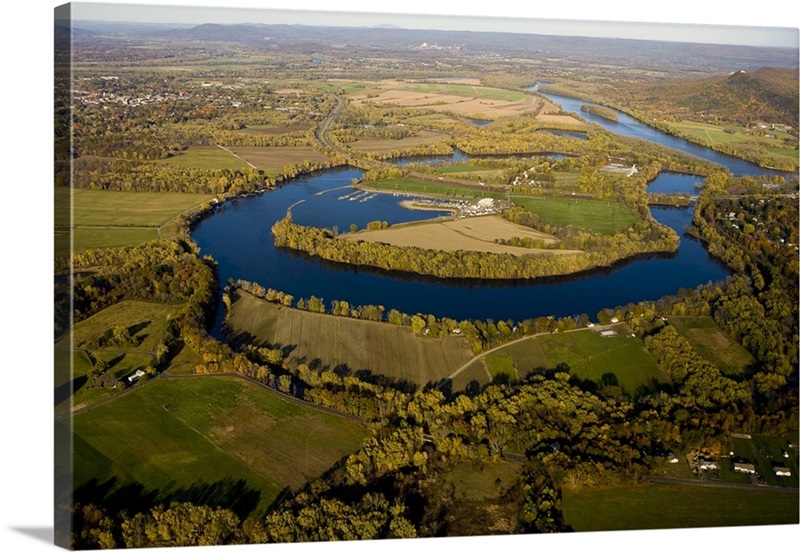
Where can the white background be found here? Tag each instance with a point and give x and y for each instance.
(26, 304)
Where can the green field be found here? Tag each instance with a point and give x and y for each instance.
(146, 323)
(527, 355)
(588, 354)
(468, 91)
(597, 216)
(471, 171)
(181, 437)
(478, 488)
(501, 364)
(476, 372)
(331, 341)
(408, 185)
(657, 506)
(591, 355)
(716, 135)
(205, 157)
(113, 219)
(706, 338)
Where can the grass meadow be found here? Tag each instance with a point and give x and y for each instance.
(175, 437)
(410, 185)
(716, 135)
(588, 354)
(478, 489)
(526, 355)
(145, 321)
(272, 160)
(597, 216)
(658, 506)
(113, 219)
(591, 355)
(205, 157)
(713, 345)
(373, 144)
(467, 91)
(327, 341)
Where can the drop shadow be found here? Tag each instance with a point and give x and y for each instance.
(42, 534)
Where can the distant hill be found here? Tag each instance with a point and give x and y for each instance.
(565, 49)
(770, 94)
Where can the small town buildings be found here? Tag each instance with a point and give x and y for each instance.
(743, 467)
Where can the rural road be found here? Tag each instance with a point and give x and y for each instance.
(510, 343)
(322, 131)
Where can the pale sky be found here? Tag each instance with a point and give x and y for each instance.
(735, 23)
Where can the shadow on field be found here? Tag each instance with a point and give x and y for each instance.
(66, 390)
(229, 493)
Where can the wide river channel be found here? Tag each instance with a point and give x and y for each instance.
(238, 236)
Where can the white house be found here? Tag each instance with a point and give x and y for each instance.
(742, 467)
(782, 470)
(135, 376)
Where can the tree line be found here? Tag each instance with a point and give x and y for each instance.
(469, 264)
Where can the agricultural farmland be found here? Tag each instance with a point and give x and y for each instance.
(187, 437)
(657, 506)
(589, 356)
(272, 160)
(328, 341)
(205, 157)
(603, 217)
(713, 345)
(466, 234)
(378, 145)
(460, 99)
(112, 219)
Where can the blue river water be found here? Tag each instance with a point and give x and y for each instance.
(238, 236)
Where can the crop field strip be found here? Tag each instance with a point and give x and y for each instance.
(175, 433)
(462, 99)
(333, 341)
(205, 157)
(104, 218)
(598, 216)
(713, 345)
(373, 144)
(274, 159)
(663, 506)
(467, 234)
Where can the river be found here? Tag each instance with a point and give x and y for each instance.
(238, 236)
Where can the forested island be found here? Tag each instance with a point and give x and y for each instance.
(262, 404)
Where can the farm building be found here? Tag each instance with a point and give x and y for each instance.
(135, 376)
(704, 464)
(782, 471)
(672, 459)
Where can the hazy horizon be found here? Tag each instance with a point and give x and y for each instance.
(671, 32)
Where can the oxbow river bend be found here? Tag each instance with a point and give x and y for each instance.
(238, 236)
